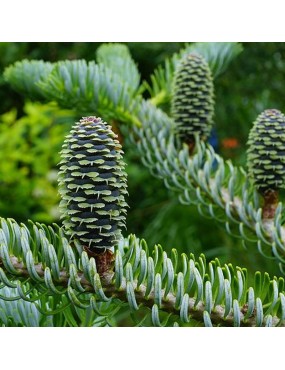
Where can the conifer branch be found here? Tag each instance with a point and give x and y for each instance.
(186, 289)
(206, 180)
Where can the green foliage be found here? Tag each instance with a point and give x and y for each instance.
(188, 289)
(266, 144)
(193, 98)
(88, 88)
(84, 87)
(25, 75)
(17, 312)
(10, 52)
(117, 58)
(29, 149)
(92, 184)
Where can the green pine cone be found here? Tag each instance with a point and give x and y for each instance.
(266, 151)
(193, 98)
(92, 184)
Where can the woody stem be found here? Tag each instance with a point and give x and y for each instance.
(270, 198)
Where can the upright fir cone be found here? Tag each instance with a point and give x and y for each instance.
(193, 99)
(266, 157)
(92, 184)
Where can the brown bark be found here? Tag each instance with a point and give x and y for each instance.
(270, 198)
(104, 260)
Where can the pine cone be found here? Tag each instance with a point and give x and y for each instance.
(266, 151)
(92, 184)
(193, 98)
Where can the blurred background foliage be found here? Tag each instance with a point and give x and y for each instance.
(31, 135)
(29, 149)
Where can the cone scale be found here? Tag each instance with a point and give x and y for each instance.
(266, 157)
(92, 185)
(193, 99)
(266, 151)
